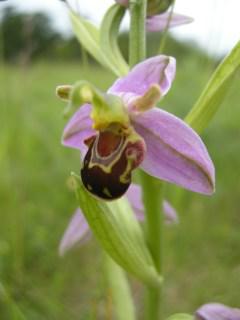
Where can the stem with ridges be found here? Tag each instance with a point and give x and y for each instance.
(152, 198)
(137, 36)
(152, 194)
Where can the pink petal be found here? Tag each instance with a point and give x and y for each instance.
(175, 153)
(157, 70)
(134, 195)
(78, 129)
(217, 311)
(159, 22)
(171, 216)
(77, 232)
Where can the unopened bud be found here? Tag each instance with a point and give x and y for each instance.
(158, 6)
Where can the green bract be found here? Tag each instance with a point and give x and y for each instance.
(117, 230)
(108, 37)
(89, 37)
(215, 91)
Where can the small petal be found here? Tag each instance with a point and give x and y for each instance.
(134, 195)
(78, 129)
(217, 311)
(146, 101)
(158, 70)
(159, 22)
(77, 232)
(175, 153)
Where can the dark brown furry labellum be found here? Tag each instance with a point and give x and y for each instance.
(109, 161)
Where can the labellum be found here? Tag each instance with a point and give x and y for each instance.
(112, 155)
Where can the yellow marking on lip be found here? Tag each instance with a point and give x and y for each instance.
(107, 192)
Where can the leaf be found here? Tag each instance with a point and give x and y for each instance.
(9, 309)
(117, 230)
(181, 316)
(108, 37)
(120, 291)
(215, 91)
(88, 36)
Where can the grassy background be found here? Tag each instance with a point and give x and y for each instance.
(202, 253)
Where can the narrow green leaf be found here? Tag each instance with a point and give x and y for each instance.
(120, 290)
(88, 36)
(119, 233)
(108, 37)
(215, 91)
(181, 316)
(9, 309)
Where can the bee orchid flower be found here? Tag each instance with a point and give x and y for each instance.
(115, 138)
(78, 232)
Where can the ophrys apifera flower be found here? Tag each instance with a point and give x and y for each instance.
(123, 129)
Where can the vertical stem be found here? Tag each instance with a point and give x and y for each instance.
(119, 290)
(137, 36)
(152, 194)
(152, 198)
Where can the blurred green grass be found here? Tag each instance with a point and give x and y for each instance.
(202, 253)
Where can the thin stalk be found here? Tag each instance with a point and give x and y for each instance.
(152, 192)
(152, 198)
(137, 36)
(119, 291)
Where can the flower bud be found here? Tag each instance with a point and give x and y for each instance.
(158, 6)
(153, 6)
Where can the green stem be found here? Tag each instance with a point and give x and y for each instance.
(152, 194)
(137, 36)
(152, 198)
(119, 289)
